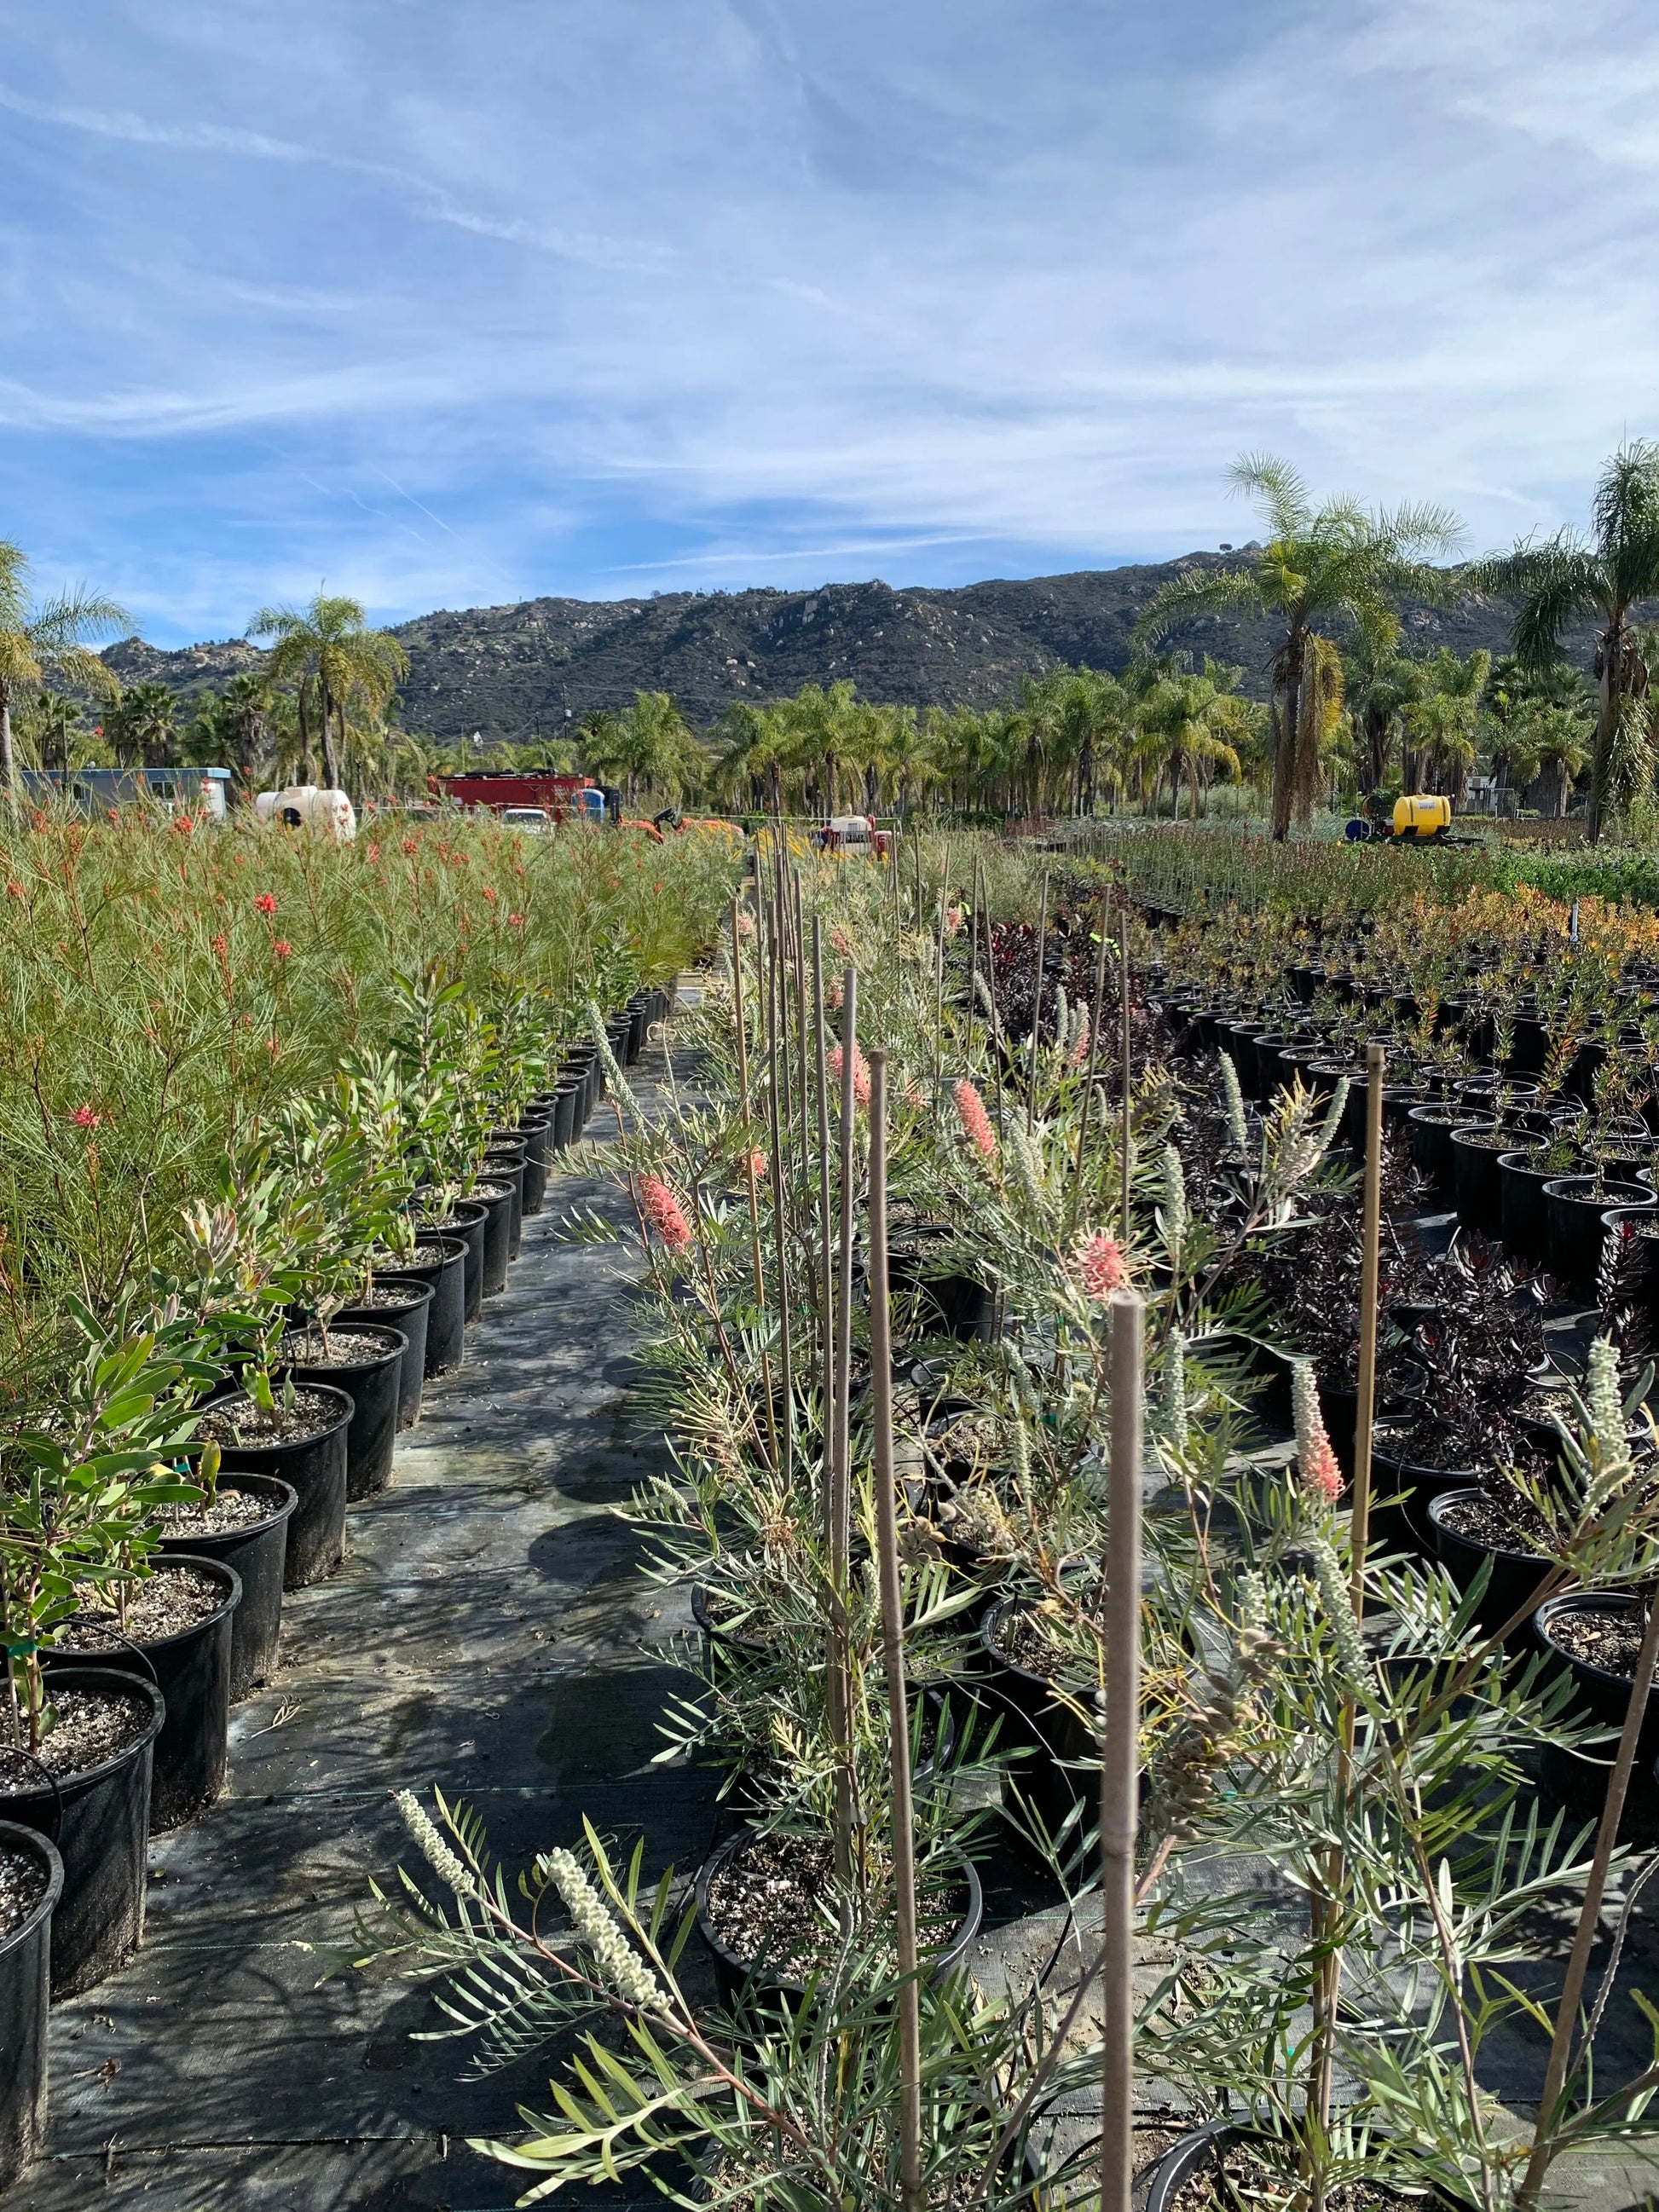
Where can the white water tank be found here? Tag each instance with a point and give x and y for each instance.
(306, 806)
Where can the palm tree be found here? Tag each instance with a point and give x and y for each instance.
(1551, 744)
(49, 638)
(142, 726)
(1441, 720)
(1191, 726)
(1566, 578)
(1338, 562)
(329, 641)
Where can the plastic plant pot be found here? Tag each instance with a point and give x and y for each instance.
(412, 1315)
(315, 1468)
(258, 1550)
(99, 1821)
(374, 1386)
(25, 1991)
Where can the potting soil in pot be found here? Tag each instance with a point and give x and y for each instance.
(1240, 2175)
(772, 1903)
(166, 1603)
(343, 1348)
(1497, 1527)
(88, 1727)
(1611, 1641)
(229, 1510)
(1039, 1643)
(309, 1415)
(22, 1885)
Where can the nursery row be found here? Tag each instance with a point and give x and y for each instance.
(225, 1283)
(969, 1167)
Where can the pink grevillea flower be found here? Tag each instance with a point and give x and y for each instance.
(1080, 1049)
(281, 948)
(1315, 1461)
(1100, 1267)
(85, 1117)
(976, 1121)
(265, 903)
(842, 941)
(758, 1166)
(515, 921)
(860, 1073)
(952, 920)
(664, 1212)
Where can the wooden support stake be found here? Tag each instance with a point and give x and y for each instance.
(841, 1455)
(892, 1632)
(775, 1058)
(1128, 1070)
(1120, 1760)
(741, 1020)
(1036, 999)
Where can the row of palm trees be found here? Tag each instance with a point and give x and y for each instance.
(1341, 568)
(1342, 698)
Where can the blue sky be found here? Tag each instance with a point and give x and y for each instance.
(458, 305)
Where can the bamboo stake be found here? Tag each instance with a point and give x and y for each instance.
(741, 1020)
(1094, 1063)
(797, 919)
(841, 1458)
(938, 996)
(786, 1376)
(1120, 1757)
(826, 1256)
(1370, 1271)
(1128, 1068)
(1037, 999)
(1589, 1915)
(991, 985)
(892, 1636)
(1324, 1908)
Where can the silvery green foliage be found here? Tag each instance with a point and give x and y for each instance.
(617, 1081)
(1175, 1203)
(1176, 1421)
(1604, 1402)
(620, 1967)
(1238, 1126)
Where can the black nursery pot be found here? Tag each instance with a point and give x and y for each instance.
(959, 1306)
(315, 1468)
(25, 1976)
(1516, 1575)
(566, 1109)
(1626, 1222)
(538, 1133)
(193, 1672)
(1431, 1130)
(258, 1550)
(1601, 1697)
(445, 1317)
(99, 1821)
(495, 1195)
(466, 1222)
(1062, 1766)
(411, 1314)
(507, 1166)
(1573, 1208)
(733, 1974)
(1402, 1493)
(1477, 1188)
(374, 1389)
(1520, 1198)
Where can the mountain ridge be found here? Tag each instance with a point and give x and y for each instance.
(515, 673)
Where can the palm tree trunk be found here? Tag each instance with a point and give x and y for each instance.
(8, 763)
(305, 732)
(1606, 723)
(331, 774)
(1289, 733)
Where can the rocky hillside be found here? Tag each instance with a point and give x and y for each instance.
(515, 673)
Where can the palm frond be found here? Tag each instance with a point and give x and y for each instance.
(1277, 487)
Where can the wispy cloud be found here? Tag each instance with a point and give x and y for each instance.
(481, 306)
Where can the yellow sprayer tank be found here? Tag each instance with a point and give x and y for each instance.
(1421, 816)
